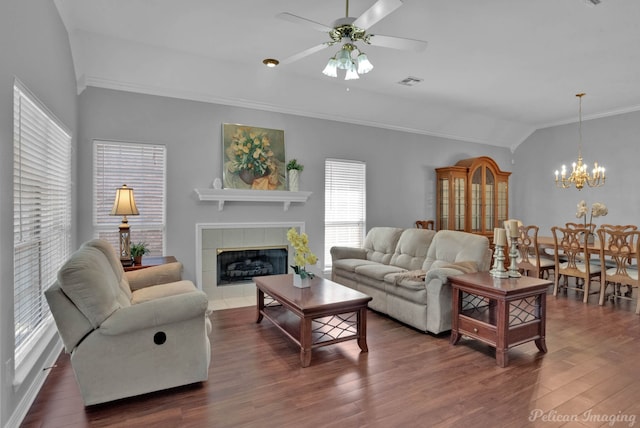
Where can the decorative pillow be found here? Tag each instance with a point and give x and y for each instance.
(90, 283)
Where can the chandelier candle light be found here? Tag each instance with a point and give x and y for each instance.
(579, 174)
(303, 255)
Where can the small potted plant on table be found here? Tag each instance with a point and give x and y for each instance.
(137, 251)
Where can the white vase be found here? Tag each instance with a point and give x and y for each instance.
(294, 176)
(301, 282)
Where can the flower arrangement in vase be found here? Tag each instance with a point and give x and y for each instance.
(302, 257)
(597, 209)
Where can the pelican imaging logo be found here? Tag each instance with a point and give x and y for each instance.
(587, 416)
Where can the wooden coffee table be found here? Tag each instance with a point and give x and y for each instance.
(500, 312)
(323, 314)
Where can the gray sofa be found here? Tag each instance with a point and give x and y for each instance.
(406, 271)
(129, 333)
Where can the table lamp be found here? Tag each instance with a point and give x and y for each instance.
(125, 205)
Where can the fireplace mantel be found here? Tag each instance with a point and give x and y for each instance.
(225, 195)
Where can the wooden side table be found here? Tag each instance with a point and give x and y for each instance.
(151, 261)
(500, 312)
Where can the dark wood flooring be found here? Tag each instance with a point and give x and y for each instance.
(589, 378)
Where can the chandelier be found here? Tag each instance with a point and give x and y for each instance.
(579, 174)
(344, 61)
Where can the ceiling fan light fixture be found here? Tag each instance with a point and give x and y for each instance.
(352, 74)
(331, 69)
(343, 58)
(363, 63)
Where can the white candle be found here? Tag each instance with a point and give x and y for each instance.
(495, 235)
(501, 239)
(513, 228)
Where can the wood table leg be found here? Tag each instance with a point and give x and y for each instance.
(362, 329)
(502, 325)
(455, 337)
(260, 304)
(542, 316)
(305, 341)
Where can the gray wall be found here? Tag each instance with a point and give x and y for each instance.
(34, 47)
(400, 166)
(612, 141)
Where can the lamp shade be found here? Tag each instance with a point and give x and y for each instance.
(364, 65)
(125, 204)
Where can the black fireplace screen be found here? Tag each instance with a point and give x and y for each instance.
(242, 264)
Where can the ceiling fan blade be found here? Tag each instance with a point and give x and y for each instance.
(304, 53)
(375, 13)
(397, 43)
(304, 21)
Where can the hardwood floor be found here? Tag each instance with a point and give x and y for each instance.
(408, 379)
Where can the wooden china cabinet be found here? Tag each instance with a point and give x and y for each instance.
(472, 196)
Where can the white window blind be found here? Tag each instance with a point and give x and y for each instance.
(345, 205)
(41, 213)
(143, 168)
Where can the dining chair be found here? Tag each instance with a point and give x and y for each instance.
(573, 245)
(425, 224)
(623, 248)
(590, 226)
(621, 227)
(530, 259)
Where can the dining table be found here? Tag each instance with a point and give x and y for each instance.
(545, 242)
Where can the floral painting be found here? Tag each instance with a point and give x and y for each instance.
(254, 158)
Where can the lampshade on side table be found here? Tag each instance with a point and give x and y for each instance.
(125, 205)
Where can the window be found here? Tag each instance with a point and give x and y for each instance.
(143, 168)
(344, 205)
(41, 213)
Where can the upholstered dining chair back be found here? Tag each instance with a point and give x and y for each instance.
(572, 243)
(622, 248)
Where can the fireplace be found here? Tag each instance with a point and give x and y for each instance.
(214, 237)
(242, 264)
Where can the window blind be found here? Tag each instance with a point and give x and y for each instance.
(42, 213)
(345, 205)
(143, 168)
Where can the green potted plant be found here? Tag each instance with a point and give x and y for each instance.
(137, 251)
(293, 174)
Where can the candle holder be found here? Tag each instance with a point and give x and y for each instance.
(498, 270)
(513, 255)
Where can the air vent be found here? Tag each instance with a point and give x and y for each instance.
(410, 81)
(592, 2)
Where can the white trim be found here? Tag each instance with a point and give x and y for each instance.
(200, 227)
(22, 407)
(224, 195)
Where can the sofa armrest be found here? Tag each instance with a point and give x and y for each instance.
(154, 275)
(154, 313)
(442, 274)
(338, 253)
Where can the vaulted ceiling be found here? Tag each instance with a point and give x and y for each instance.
(494, 71)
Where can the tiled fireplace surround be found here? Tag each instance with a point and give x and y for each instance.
(211, 236)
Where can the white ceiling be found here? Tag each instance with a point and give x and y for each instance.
(494, 70)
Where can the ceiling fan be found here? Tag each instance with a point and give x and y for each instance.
(349, 31)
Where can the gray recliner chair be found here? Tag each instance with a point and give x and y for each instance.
(129, 333)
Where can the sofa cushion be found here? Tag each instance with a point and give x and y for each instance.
(350, 265)
(380, 243)
(412, 247)
(453, 246)
(377, 271)
(116, 265)
(88, 280)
